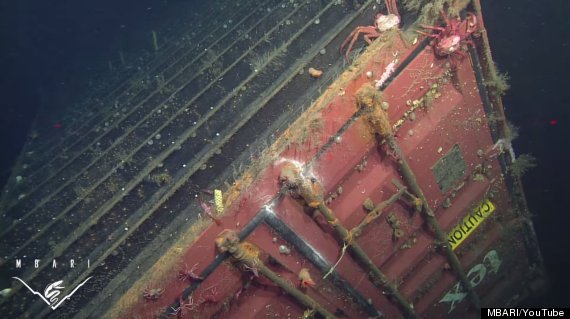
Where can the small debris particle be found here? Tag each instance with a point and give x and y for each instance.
(157, 136)
(315, 73)
(368, 204)
(478, 177)
(398, 233)
(274, 240)
(323, 51)
(317, 21)
(446, 203)
(360, 167)
(339, 190)
(439, 150)
(150, 142)
(409, 242)
(284, 250)
(395, 225)
(369, 74)
(385, 106)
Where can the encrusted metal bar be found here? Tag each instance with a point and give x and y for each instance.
(377, 212)
(248, 256)
(372, 99)
(315, 257)
(312, 192)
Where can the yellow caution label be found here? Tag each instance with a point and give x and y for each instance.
(469, 223)
(218, 201)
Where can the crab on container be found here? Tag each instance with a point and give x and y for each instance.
(152, 294)
(449, 39)
(184, 308)
(189, 274)
(382, 23)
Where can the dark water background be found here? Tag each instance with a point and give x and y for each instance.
(531, 41)
(50, 46)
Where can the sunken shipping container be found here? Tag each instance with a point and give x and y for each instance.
(246, 169)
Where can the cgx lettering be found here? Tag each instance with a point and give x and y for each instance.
(475, 275)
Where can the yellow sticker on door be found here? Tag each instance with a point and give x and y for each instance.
(469, 223)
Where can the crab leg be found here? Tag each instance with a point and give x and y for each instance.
(431, 27)
(208, 210)
(392, 7)
(444, 16)
(369, 31)
(431, 35)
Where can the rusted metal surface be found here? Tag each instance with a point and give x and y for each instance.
(343, 214)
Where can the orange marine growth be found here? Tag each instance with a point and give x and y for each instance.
(306, 187)
(227, 241)
(305, 278)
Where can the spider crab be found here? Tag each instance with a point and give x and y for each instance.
(152, 294)
(184, 308)
(382, 23)
(188, 274)
(448, 39)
